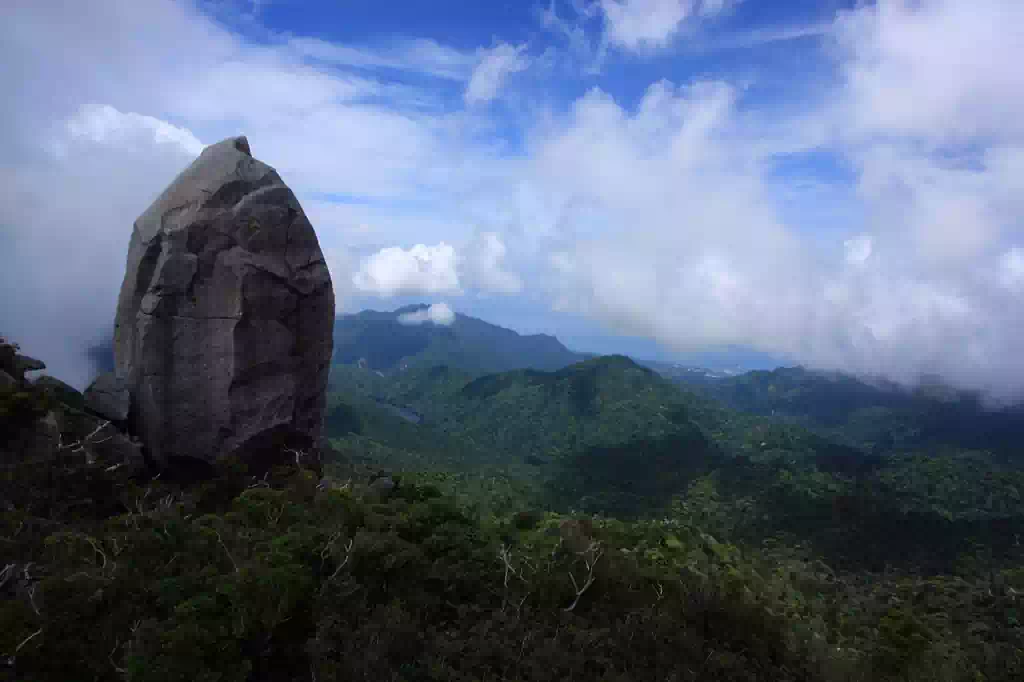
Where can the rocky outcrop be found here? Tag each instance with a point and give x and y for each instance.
(28, 364)
(109, 397)
(14, 364)
(224, 321)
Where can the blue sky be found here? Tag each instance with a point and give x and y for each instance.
(830, 183)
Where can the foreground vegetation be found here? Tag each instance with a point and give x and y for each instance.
(777, 558)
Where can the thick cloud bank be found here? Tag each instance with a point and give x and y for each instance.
(862, 215)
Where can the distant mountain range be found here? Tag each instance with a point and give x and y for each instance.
(689, 373)
(879, 415)
(876, 416)
(386, 341)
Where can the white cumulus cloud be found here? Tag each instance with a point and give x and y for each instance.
(643, 24)
(421, 269)
(103, 124)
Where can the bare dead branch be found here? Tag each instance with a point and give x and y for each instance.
(28, 639)
(326, 551)
(110, 657)
(348, 555)
(299, 454)
(17, 531)
(23, 643)
(82, 445)
(226, 550)
(591, 555)
(103, 555)
(139, 503)
(32, 599)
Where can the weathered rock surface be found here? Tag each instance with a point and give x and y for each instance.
(109, 397)
(224, 321)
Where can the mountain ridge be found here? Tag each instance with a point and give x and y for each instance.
(385, 341)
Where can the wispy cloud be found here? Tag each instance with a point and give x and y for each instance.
(412, 55)
(745, 39)
(495, 66)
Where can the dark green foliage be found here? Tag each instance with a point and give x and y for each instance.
(20, 407)
(730, 547)
(341, 419)
(284, 579)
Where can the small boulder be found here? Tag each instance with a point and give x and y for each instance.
(109, 397)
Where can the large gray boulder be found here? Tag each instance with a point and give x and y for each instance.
(223, 328)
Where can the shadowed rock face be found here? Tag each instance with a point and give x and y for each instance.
(223, 332)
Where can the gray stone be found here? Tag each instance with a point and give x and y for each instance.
(224, 323)
(109, 397)
(7, 381)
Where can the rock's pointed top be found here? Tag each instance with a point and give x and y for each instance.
(239, 143)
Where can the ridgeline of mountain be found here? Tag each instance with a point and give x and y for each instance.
(385, 342)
